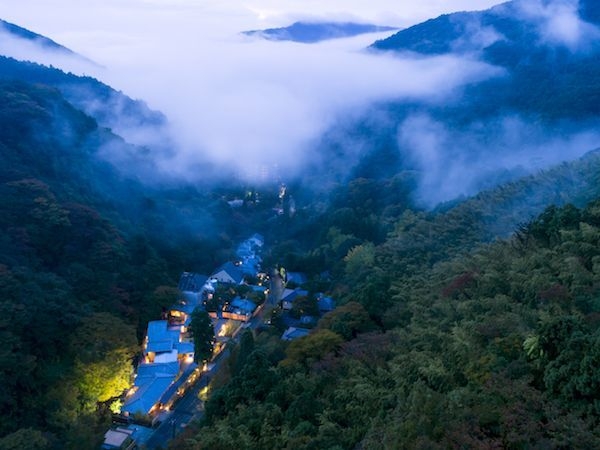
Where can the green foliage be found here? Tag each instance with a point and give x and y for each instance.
(203, 333)
(25, 439)
(305, 306)
(493, 348)
(103, 347)
(347, 321)
(310, 349)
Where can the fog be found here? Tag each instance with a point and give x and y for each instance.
(237, 100)
(460, 163)
(558, 22)
(253, 106)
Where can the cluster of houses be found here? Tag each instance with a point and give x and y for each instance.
(299, 326)
(168, 352)
(168, 366)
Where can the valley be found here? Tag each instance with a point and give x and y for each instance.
(429, 210)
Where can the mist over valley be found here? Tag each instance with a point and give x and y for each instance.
(413, 192)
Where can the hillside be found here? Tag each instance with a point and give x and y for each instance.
(530, 115)
(88, 255)
(311, 32)
(38, 39)
(518, 39)
(442, 340)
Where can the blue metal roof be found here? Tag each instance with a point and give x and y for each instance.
(185, 347)
(160, 346)
(160, 337)
(231, 270)
(148, 394)
(243, 304)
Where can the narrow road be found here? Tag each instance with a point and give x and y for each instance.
(187, 408)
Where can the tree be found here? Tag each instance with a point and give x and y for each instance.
(347, 320)
(312, 348)
(203, 333)
(103, 347)
(304, 306)
(25, 439)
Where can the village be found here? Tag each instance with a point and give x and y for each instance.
(238, 295)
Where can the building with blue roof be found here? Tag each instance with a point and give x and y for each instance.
(290, 295)
(146, 372)
(191, 282)
(294, 333)
(145, 398)
(243, 305)
(228, 273)
(161, 342)
(325, 304)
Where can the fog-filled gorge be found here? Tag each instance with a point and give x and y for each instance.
(317, 236)
(249, 106)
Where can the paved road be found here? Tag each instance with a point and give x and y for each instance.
(187, 408)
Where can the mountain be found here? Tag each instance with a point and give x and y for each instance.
(38, 39)
(130, 118)
(552, 73)
(40, 42)
(311, 32)
(446, 334)
(513, 24)
(532, 112)
(538, 58)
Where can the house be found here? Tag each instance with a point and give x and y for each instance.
(239, 309)
(244, 251)
(180, 314)
(161, 340)
(119, 438)
(294, 333)
(151, 382)
(126, 437)
(250, 266)
(297, 278)
(228, 273)
(147, 371)
(145, 398)
(289, 295)
(185, 351)
(326, 304)
(191, 282)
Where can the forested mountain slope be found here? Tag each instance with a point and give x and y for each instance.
(87, 257)
(496, 347)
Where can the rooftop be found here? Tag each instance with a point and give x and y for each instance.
(191, 282)
(228, 272)
(160, 337)
(294, 333)
(148, 394)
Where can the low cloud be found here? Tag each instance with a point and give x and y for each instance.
(34, 50)
(243, 103)
(454, 163)
(476, 36)
(275, 113)
(558, 22)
